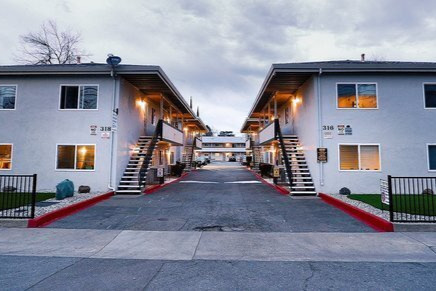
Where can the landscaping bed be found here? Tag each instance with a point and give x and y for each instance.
(411, 204)
(15, 200)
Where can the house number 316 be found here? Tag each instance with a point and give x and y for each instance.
(328, 127)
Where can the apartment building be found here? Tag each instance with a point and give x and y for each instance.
(222, 148)
(105, 126)
(337, 124)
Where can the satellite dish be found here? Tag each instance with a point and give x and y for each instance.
(113, 60)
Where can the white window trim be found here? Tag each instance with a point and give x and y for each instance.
(78, 97)
(428, 156)
(16, 95)
(12, 156)
(358, 151)
(357, 95)
(423, 95)
(75, 157)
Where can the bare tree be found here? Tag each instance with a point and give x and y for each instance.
(50, 46)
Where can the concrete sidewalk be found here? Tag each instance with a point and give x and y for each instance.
(234, 246)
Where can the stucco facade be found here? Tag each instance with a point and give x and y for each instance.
(124, 112)
(400, 125)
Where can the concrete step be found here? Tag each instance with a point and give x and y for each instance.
(303, 182)
(127, 192)
(303, 193)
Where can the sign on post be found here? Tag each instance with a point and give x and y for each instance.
(160, 172)
(321, 155)
(276, 173)
(384, 191)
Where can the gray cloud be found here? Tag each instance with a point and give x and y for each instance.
(219, 51)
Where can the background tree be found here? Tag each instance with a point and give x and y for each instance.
(50, 46)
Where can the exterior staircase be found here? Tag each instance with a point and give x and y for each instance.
(129, 183)
(302, 183)
(257, 156)
(187, 157)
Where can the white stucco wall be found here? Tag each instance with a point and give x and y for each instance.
(400, 125)
(37, 125)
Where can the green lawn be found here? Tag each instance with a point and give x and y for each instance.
(412, 204)
(14, 200)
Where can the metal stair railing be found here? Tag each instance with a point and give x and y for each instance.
(192, 151)
(278, 134)
(148, 157)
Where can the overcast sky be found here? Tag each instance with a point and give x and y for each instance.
(220, 51)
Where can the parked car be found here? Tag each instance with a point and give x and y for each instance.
(232, 159)
(201, 161)
(207, 160)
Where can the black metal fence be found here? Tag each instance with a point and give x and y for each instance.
(412, 199)
(17, 196)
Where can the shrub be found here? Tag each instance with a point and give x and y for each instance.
(344, 191)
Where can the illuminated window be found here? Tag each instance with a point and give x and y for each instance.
(359, 157)
(357, 96)
(75, 157)
(79, 97)
(430, 95)
(5, 156)
(8, 94)
(432, 157)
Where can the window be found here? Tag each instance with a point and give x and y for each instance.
(79, 97)
(430, 95)
(171, 158)
(5, 156)
(153, 116)
(286, 115)
(8, 94)
(357, 96)
(75, 157)
(431, 157)
(359, 157)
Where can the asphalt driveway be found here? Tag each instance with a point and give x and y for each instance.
(219, 197)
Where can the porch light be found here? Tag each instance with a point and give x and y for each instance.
(141, 104)
(83, 151)
(296, 100)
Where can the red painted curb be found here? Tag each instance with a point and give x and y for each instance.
(50, 217)
(157, 187)
(369, 219)
(279, 189)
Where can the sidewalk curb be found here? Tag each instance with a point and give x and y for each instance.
(279, 189)
(157, 187)
(50, 217)
(369, 219)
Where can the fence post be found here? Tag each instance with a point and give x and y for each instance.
(33, 195)
(391, 200)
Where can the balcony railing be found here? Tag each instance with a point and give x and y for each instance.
(267, 134)
(172, 134)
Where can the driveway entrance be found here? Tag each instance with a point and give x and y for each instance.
(222, 196)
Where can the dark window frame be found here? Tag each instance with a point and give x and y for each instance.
(79, 88)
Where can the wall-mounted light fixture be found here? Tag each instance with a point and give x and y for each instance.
(296, 100)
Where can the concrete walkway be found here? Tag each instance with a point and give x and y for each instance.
(220, 196)
(233, 246)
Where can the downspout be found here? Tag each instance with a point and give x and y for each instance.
(111, 185)
(320, 138)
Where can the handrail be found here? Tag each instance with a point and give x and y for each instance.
(149, 155)
(172, 126)
(284, 154)
(268, 125)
